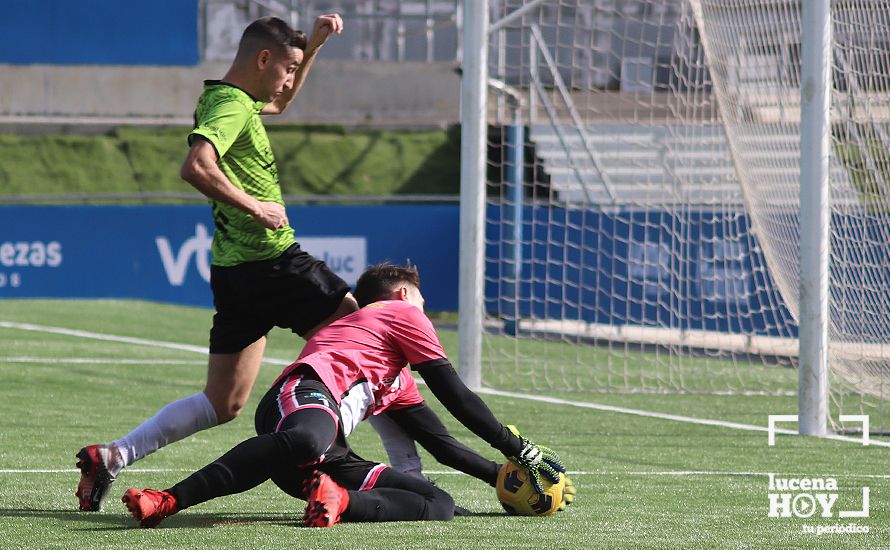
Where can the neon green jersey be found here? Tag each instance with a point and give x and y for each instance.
(229, 118)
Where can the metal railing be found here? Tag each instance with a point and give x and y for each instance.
(375, 30)
(577, 122)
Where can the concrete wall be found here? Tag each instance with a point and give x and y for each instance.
(338, 91)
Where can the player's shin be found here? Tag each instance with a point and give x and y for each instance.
(173, 422)
(399, 497)
(385, 504)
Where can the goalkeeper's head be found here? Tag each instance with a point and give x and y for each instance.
(388, 281)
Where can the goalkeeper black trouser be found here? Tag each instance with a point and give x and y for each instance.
(253, 461)
(307, 439)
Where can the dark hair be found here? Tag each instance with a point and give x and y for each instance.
(378, 281)
(270, 33)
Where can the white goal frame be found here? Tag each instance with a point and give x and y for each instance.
(813, 388)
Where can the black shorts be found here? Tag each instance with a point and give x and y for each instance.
(344, 466)
(294, 291)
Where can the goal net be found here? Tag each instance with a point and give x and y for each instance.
(642, 227)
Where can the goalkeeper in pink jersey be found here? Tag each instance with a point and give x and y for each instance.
(407, 419)
(349, 370)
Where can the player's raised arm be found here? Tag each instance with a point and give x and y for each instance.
(325, 27)
(473, 413)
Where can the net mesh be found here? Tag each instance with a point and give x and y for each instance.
(643, 221)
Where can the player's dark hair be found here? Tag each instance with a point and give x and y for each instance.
(378, 281)
(270, 33)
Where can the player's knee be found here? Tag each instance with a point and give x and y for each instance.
(407, 464)
(227, 410)
(302, 443)
(440, 506)
(228, 415)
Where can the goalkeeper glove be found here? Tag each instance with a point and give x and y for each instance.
(539, 461)
(568, 495)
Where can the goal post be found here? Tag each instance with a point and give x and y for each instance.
(691, 173)
(815, 210)
(474, 109)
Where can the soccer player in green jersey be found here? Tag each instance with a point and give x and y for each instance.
(259, 276)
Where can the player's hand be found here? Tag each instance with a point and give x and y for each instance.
(540, 461)
(270, 215)
(325, 26)
(568, 496)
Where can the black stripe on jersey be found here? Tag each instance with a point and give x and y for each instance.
(193, 137)
(230, 85)
(219, 218)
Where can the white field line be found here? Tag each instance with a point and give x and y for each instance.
(691, 473)
(664, 416)
(485, 391)
(120, 339)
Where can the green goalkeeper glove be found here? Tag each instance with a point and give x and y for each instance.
(538, 461)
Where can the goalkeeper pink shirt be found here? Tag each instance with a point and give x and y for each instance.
(360, 357)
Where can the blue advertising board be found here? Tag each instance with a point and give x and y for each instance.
(619, 267)
(612, 268)
(99, 32)
(163, 252)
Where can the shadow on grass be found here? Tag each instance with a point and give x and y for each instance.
(104, 521)
(484, 515)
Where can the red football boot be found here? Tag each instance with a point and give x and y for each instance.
(148, 506)
(327, 501)
(96, 478)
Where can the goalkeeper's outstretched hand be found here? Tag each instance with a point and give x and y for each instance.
(568, 495)
(540, 461)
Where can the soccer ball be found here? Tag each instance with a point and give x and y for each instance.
(518, 495)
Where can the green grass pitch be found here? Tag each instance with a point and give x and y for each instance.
(643, 482)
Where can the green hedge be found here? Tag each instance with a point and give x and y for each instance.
(311, 160)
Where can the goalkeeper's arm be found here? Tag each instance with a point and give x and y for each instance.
(473, 413)
(423, 425)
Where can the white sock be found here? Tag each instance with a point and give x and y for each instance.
(173, 422)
